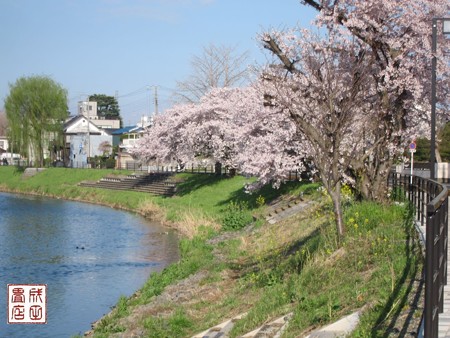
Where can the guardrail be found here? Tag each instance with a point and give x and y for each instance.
(430, 200)
(193, 169)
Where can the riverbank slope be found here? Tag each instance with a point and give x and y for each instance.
(234, 261)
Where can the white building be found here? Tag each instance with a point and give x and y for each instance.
(83, 139)
(89, 110)
(4, 145)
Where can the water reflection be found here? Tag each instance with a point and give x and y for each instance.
(87, 255)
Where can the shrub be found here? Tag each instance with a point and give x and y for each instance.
(236, 216)
(110, 163)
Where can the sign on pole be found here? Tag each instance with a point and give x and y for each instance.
(412, 150)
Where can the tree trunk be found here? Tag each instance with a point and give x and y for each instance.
(335, 195)
(218, 168)
(232, 172)
(373, 184)
(437, 155)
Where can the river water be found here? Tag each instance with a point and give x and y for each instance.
(88, 256)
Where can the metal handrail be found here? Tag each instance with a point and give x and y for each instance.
(435, 261)
(430, 199)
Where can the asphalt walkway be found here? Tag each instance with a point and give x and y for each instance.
(444, 317)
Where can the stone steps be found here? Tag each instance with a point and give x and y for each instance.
(29, 172)
(275, 328)
(154, 183)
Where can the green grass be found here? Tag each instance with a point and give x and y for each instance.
(58, 182)
(206, 193)
(310, 276)
(176, 325)
(296, 266)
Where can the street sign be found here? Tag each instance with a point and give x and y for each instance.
(412, 150)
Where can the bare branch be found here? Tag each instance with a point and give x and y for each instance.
(271, 44)
(313, 4)
(217, 67)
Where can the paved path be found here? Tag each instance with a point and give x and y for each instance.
(444, 317)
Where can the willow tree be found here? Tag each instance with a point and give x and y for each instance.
(36, 108)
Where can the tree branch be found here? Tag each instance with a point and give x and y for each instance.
(270, 44)
(313, 4)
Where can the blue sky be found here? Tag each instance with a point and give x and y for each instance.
(127, 46)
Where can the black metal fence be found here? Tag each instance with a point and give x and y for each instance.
(194, 169)
(292, 175)
(430, 200)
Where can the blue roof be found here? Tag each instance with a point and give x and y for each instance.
(123, 130)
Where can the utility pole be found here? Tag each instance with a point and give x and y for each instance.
(445, 30)
(88, 132)
(156, 100)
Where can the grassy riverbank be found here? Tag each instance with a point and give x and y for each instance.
(265, 270)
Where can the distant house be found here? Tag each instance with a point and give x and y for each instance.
(83, 139)
(3, 144)
(85, 133)
(47, 138)
(128, 137)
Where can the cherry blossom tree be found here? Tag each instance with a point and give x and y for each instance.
(325, 98)
(348, 100)
(208, 130)
(164, 140)
(397, 36)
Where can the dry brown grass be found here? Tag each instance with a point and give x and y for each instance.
(151, 210)
(273, 237)
(190, 223)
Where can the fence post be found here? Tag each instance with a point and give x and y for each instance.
(429, 310)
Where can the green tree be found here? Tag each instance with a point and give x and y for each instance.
(107, 106)
(444, 143)
(422, 153)
(3, 123)
(36, 108)
(443, 146)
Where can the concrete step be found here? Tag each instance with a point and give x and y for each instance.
(220, 330)
(159, 184)
(275, 328)
(272, 329)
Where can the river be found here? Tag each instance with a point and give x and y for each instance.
(87, 255)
